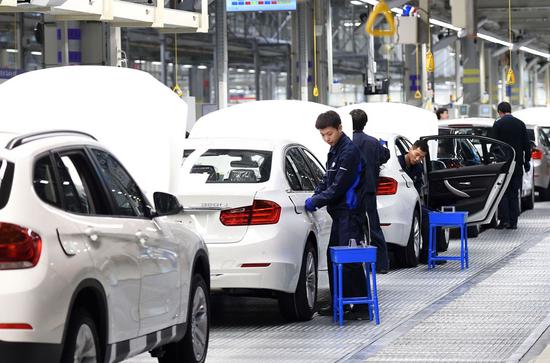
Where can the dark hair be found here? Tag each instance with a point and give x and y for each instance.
(440, 111)
(328, 119)
(359, 118)
(504, 107)
(422, 145)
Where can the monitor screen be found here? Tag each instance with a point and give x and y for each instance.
(485, 111)
(260, 5)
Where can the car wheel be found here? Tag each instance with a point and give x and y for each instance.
(302, 304)
(410, 254)
(473, 231)
(194, 345)
(81, 342)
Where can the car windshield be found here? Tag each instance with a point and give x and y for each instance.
(234, 166)
(6, 180)
(477, 131)
(546, 131)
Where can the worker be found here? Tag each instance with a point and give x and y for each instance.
(411, 163)
(442, 113)
(374, 155)
(513, 132)
(342, 192)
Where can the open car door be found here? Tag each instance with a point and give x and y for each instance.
(468, 172)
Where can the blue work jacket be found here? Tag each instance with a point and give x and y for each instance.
(342, 188)
(374, 155)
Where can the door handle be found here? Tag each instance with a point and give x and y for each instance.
(465, 183)
(455, 191)
(142, 237)
(92, 234)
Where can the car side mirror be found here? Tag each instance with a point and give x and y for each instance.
(166, 204)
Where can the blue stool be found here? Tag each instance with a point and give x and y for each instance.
(448, 219)
(366, 255)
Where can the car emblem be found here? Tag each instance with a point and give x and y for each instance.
(333, 164)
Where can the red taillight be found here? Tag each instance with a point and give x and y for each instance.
(20, 326)
(536, 154)
(261, 212)
(20, 247)
(386, 186)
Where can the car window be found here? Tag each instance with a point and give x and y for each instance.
(6, 181)
(315, 166)
(531, 134)
(74, 192)
(543, 138)
(126, 195)
(306, 176)
(234, 166)
(400, 147)
(44, 182)
(546, 131)
(291, 175)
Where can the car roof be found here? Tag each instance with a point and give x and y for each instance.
(236, 143)
(468, 122)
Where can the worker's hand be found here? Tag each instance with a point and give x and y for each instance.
(309, 206)
(527, 167)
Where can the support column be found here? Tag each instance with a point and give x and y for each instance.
(257, 70)
(164, 64)
(294, 72)
(220, 55)
(547, 86)
(304, 48)
(521, 74)
(471, 78)
(411, 80)
(459, 87)
(494, 77)
(63, 44)
(323, 24)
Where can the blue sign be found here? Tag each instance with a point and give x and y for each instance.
(259, 5)
(6, 73)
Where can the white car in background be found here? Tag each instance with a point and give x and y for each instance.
(246, 198)
(89, 270)
(539, 119)
(482, 126)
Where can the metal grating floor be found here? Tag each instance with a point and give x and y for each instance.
(492, 312)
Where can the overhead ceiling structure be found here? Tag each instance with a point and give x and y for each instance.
(530, 30)
(121, 13)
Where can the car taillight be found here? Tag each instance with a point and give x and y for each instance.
(20, 247)
(536, 154)
(386, 186)
(261, 212)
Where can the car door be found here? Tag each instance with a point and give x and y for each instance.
(160, 296)
(303, 183)
(109, 239)
(459, 176)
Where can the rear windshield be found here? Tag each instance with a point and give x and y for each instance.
(6, 181)
(234, 166)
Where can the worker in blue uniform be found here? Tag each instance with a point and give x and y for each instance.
(342, 192)
(411, 163)
(374, 155)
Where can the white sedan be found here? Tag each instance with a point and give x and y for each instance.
(246, 198)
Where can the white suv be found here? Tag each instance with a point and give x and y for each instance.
(89, 271)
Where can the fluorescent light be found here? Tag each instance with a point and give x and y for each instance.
(251, 71)
(202, 66)
(187, 66)
(535, 52)
(356, 2)
(494, 40)
(36, 53)
(156, 63)
(444, 24)
(9, 50)
(240, 70)
(139, 61)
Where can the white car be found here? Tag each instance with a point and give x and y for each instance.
(89, 270)
(482, 126)
(246, 198)
(397, 199)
